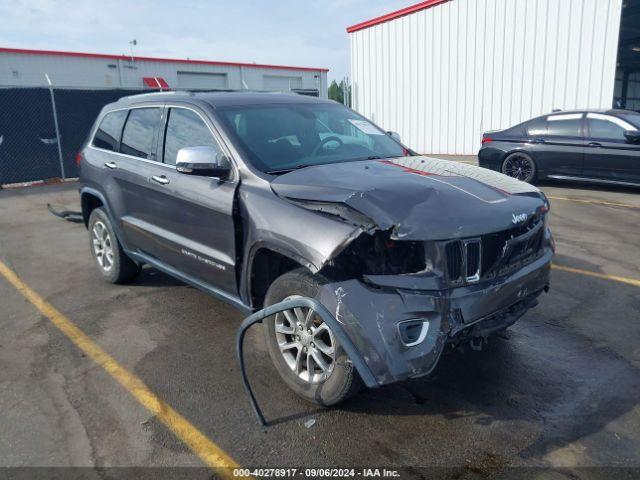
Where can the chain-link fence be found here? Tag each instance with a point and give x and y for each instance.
(42, 130)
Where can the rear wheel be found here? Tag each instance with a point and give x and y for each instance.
(114, 265)
(303, 348)
(521, 166)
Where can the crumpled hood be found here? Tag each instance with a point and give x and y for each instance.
(420, 198)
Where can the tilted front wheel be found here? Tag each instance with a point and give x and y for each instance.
(521, 166)
(306, 343)
(303, 348)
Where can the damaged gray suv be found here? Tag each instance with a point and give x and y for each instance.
(257, 197)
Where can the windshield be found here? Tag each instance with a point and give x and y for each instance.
(632, 118)
(282, 137)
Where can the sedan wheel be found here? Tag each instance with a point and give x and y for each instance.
(520, 166)
(306, 344)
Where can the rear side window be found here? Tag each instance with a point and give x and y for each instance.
(185, 128)
(108, 134)
(564, 125)
(567, 125)
(137, 137)
(537, 127)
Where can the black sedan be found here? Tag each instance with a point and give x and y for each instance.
(601, 146)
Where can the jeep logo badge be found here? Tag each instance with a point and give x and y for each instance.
(518, 218)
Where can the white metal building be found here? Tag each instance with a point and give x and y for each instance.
(24, 68)
(443, 71)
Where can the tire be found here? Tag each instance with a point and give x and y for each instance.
(325, 388)
(114, 265)
(520, 165)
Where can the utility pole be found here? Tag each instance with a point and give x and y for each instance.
(345, 92)
(132, 44)
(55, 123)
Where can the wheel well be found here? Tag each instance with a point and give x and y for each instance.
(89, 203)
(267, 265)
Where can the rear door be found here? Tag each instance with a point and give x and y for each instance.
(193, 216)
(558, 144)
(609, 156)
(133, 168)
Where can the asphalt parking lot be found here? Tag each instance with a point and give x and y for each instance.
(561, 389)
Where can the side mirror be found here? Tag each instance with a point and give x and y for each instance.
(205, 161)
(632, 136)
(395, 136)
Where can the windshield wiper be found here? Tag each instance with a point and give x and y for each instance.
(374, 157)
(289, 169)
(298, 167)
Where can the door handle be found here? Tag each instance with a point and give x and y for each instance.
(111, 165)
(538, 140)
(161, 179)
(594, 144)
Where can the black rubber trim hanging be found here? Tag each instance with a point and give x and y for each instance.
(335, 326)
(70, 216)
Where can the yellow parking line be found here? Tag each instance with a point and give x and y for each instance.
(604, 276)
(593, 202)
(210, 453)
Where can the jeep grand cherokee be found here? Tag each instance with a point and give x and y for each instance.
(256, 197)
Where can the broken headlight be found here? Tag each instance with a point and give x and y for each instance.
(379, 254)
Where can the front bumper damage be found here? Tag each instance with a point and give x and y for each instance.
(371, 314)
(365, 321)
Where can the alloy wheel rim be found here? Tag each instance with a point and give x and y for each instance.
(519, 167)
(306, 343)
(102, 246)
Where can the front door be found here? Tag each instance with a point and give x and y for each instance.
(609, 156)
(194, 216)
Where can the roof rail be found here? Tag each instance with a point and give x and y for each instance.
(164, 92)
(193, 92)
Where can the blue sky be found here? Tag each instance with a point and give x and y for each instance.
(302, 33)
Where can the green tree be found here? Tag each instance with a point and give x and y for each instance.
(336, 92)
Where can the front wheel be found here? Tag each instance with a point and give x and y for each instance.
(521, 166)
(303, 348)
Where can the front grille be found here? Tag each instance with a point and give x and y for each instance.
(473, 266)
(464, 260)
(493, 254)
(454, 261)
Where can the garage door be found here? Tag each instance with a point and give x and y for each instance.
(196, 80)
(281, 82)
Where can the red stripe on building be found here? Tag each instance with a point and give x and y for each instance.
(393, 15)
(155, 59)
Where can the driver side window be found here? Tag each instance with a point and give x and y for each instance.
(185, 128)
(606, 127)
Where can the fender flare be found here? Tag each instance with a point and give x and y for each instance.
(116, 226)
(274, 247)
